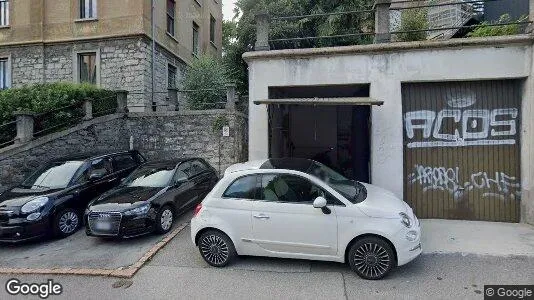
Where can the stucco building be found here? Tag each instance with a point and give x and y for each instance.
(107, 43)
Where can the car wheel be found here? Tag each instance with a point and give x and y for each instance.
(164, 219)
(216, 248)
(371, 258)
(66, 222)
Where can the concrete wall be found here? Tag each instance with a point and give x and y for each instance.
(158, 136)
(385, 67)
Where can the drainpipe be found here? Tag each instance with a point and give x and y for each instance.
(153, 23)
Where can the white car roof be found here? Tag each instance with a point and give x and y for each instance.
(249, 165)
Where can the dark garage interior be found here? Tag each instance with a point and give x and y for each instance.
(336, 135)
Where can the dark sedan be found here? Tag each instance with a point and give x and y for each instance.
(52, 200)
(150, 198)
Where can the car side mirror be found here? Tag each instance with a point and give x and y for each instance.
(320, 202)
(96, 175)
(179, 181)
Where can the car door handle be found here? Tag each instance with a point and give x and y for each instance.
(261, 216)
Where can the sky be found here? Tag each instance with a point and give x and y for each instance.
(228, 7)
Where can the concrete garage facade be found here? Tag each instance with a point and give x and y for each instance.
(385, 69)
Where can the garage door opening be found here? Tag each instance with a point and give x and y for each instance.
(332, 128)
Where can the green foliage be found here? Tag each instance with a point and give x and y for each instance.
(205, 79)
(412, 20)
(484, 29)
(42, 98)
(219, 123)
(245, 32)
(229, 29)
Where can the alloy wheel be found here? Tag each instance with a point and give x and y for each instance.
(68, 222)
(214, 249)
(166, 219)
(372, 260)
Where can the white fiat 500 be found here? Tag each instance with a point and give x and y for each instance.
(299, 208)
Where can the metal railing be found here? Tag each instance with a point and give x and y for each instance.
(374, 25)
(8, 133)
(28, 125)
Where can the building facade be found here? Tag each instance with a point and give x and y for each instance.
(107, 43)
(444, 125)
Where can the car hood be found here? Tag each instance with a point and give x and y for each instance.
(122, 198)
(381, 203)
(19, 196)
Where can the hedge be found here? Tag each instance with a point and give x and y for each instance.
(42, 98)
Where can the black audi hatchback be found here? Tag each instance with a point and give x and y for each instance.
(51, 201)
(150, 198)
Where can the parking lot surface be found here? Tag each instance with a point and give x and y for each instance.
(79, 251)
(178, 272)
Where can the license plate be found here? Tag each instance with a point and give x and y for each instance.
(102, 225)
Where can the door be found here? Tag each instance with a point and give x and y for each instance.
(124, 164)
(89, 190)
(201, 177)
(462, 149)
(285, 221)
(184, 190)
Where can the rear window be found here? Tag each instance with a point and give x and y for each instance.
(123, 162)
(243, 188)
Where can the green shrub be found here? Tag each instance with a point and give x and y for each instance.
(411, 20)
(42, 98)
(484, 29)
(205, 81)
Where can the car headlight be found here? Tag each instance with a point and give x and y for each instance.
(138, 211)
(405, 220)
(34, 205)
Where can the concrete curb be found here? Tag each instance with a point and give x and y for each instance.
(123, 272)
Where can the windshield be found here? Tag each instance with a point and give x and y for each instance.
(55, 175)
(150, 176)
(352, 190)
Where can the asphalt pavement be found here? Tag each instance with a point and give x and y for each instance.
(178, 272)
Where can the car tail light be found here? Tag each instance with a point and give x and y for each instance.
(197, 209)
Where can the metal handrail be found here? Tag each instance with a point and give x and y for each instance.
(284, 18)
(461, 27)
(323, 37)
(437, 4)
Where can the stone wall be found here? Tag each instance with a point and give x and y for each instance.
(125, 64)
(160, 135)
(26, 65)
(190, 133)
(101, 135)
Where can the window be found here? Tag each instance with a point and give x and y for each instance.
(102, 165)
(171, 8)
(288, 188)
(87, 9)
(243, 188)
(195, 38)
(53, 175)
(213, 24)
(4, 12)
(171, 76)
(123, 162)
(197, 167)
(182, 172)
(87, 67)
(4, 73)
